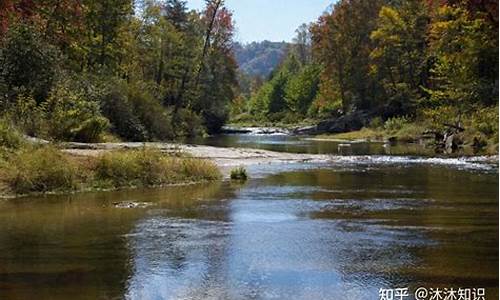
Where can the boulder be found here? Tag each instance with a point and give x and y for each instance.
(452, 143)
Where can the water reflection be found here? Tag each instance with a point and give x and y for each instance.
(75, 246)
(311, 233)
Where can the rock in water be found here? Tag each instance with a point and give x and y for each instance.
(131, 204)
(452, 143)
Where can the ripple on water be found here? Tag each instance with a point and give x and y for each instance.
(485, 163)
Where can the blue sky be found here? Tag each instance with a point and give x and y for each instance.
(274, 20)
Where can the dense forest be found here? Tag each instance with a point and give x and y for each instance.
(145, 70)
(140, 70)
(432, 63)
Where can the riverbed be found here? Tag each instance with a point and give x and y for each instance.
(313, 225)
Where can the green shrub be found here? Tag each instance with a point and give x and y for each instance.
(485, 121)
(376, 123)
(41, 170)
(9, 136)
(118, 109)
(188, 123)
(243, 118)
(27, 61)
(156, 118)
(444, 114)
(26, 115)
(395, 124)
(69, 116)
(410, 132)
(292, 118)
(194, 169)
(91, 130)
(119, 168)
(239, 173)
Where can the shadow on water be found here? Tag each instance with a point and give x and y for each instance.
(339, 231)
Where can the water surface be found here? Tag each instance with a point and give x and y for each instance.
(295, 231)
(311, 145)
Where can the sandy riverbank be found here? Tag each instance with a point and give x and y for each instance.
(228, 158)
(225, 158)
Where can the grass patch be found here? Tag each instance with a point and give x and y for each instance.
(47, 169)
(42, 170)
(148, 167)
(10, 137)
(239, 173)
(393, 129)
(363, 134)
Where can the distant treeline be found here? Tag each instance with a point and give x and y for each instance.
(142, 70)
(428, 61)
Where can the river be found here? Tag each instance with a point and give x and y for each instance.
(340, 230)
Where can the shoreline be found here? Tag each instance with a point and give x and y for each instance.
(229, 157)
(226, 159)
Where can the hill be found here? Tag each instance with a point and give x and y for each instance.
(259, 58)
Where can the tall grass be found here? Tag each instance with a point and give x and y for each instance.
(47, 169)
(44, 169)
(148, 167)
(10, 138)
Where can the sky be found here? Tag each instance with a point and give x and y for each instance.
(273, 20)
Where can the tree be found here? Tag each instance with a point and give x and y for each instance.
(176, 13)
(210, 16)
(465, 73)
(217, 80)
(104, 21)
(341, 42)
(399, 56)
(27, 62)
(302, 89)
(302, 44)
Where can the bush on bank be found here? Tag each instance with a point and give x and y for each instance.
(47, 169)
(239, 174)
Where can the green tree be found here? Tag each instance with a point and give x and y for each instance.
(465, 49)
(104, 21)
(399, 56)
(27, 62)
(215, 87)
(341, 42)
(302, 44)
(301, 89)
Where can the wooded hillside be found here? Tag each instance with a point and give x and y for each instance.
(142, 70)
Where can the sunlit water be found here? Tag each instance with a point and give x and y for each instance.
(341, 230)
(310, 145)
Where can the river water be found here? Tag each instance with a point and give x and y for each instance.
(293, 231)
